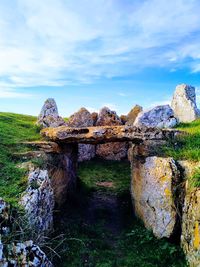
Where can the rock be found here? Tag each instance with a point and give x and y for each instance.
(38, 201)
(110, 151)
(123, 119)
(190, 236)
(160, 116)
(184, 103)
(23, 254)
(83, 118)
(132, 115)
(94, 117)
(5, 221)
(49, 116)
(154, 182)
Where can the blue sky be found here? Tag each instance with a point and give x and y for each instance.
(114, 53)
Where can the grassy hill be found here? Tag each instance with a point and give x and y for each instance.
(14, 129)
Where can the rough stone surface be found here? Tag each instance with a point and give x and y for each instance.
(4, 217)
(184, 103)
(23, 254)
(83, 118)
(103, 134)
(49, 116)
(112, 151)
(160, 116)
(62, 170)
(123, 119)
(153, 185)
(190, 238)
(132, 115)
(38, 201)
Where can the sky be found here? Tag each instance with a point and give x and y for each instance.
(84, 53)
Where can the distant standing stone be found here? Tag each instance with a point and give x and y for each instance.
(49, 116)
(160, 116)
(184, 103)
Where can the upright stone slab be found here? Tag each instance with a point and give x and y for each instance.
(38, 201)
(115, 150)
(184, 103)
(160, 116)
(49, 116)
(62, 169)
(83, 118)
(154, 181)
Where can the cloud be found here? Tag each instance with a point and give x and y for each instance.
(61, 42)
(13, 93)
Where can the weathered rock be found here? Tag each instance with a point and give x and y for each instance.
(103, 134)
(132, 115)
(83, 118)
(4, 217)
(112, 151)
(94, 117)
(153, 185)
(184, 103)
(38, 201)
(49, 116)
(160, 116)
(23, 254)
(190, 238)
(123, 119)
(62, 170)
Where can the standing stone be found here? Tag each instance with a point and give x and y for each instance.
(115, 150)
(49, 116)
(154, 181)
(132, 115)
(184, 103)
(83, 118)
(38, 201)
(160, 116)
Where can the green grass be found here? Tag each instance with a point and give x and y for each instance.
(187, 146)
(14, 128)
(87, 244)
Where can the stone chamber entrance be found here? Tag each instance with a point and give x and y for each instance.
(98, 227)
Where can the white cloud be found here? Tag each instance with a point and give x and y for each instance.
(13, 93)
(58, 42)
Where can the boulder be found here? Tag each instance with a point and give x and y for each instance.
(153, 185)
(132, 115)
(184, 103)
(49, 116)
(160, 116)
(123, 119)
(115, 150)
(38, 201)
(83, 118)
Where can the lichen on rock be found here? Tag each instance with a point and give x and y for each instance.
(154, 182)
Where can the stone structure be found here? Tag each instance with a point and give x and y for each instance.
(160, 116)
(38, 201)
(83, 118)
(184, 103)
(49, 116)
(18, 253)
(132, 115)
(154, 181)
(112, 151)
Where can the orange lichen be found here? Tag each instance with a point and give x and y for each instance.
(168, 192)
(196, 236)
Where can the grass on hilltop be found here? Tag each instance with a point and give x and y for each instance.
(14, 128)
